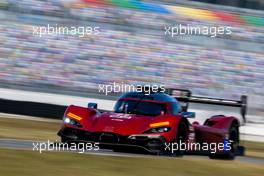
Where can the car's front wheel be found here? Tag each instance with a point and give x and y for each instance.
(181, 137)
(65, 139)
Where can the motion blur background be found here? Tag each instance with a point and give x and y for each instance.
(133, 48)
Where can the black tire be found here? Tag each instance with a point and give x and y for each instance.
(182, 135)
(234, 137)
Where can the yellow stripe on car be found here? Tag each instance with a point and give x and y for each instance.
(159, 124)
(74, 116)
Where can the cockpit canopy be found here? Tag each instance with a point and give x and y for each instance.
(154, 104)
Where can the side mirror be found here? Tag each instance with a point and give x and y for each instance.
(188, 114)
(92, 105)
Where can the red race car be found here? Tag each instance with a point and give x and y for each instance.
(156, 123)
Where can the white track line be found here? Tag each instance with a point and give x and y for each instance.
(57, 99)
(14, 116)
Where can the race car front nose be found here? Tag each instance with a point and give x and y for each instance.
(153, 143)
(144, 137)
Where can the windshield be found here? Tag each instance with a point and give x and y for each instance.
(140, 107)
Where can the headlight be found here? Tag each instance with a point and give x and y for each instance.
(72, 122)
(67, 120)
(159, 130)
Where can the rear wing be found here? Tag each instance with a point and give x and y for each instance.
(185, 97)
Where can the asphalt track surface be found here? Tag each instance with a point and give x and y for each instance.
(28, 145)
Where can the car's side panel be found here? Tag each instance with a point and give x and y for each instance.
(221, 122)
(215, 129)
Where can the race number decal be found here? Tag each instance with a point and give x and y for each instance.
(121, 116)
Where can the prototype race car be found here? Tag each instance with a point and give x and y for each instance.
(155, 123)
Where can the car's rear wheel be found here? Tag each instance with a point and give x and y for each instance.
(234, 139)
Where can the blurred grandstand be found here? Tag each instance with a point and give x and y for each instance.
(250, 4)
(131, 48)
